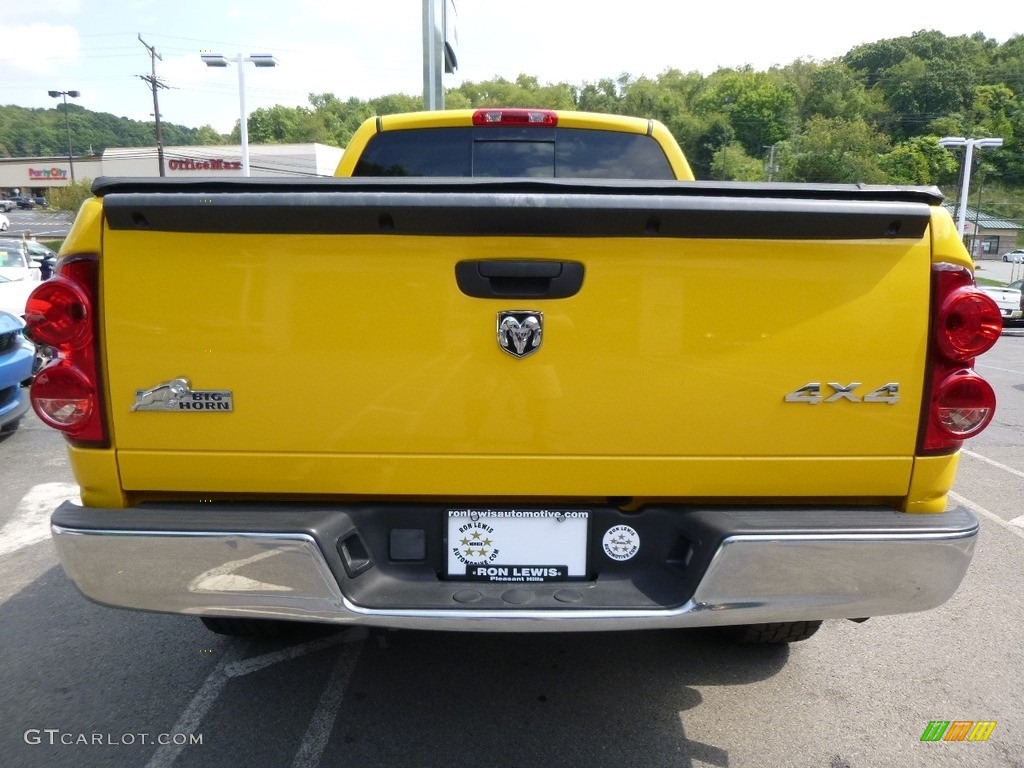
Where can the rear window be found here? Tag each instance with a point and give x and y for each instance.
(568, 153)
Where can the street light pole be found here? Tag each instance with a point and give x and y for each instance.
(970, 144)
(257, 59)
(67, 125)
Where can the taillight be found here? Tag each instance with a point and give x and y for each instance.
(63, 397)
(966, 323)
(535, 117)
(60, 313)
(969, 323)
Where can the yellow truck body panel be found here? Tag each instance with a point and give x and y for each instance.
(664, 376)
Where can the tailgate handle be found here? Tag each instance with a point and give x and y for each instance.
(519, 278)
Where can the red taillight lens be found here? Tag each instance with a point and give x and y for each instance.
(60, 313)
(536, 117)
(63, 397)
(969, 324)
(958, 404)
(965, 404)
(57, 314)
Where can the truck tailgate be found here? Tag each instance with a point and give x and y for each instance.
(356, 364)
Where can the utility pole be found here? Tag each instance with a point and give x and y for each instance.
(771, 161)
(156, 84)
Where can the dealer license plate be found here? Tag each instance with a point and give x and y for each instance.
(517, 545)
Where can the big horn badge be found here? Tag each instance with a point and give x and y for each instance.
(519, 332)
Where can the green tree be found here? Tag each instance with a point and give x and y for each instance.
(832, 150)
(760, 107)
(835, 91)
(993, 109)
(919, 160)
(71, 197)
(206, 135)
(732, 163)
(602, 96)
(526, 91)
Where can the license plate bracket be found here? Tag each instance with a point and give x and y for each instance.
(517, 545)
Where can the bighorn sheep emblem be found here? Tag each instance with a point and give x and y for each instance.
(519, 333)
(162, 397)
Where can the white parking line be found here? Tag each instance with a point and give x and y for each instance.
(255, 664)
(31, 523)
(997, 368)
(233, 664)
(996, 464)
(319, 731)
(196, 710)
(1013, 526)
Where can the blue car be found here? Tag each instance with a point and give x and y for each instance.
(16, 357)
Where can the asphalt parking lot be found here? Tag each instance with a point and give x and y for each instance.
(41, 223)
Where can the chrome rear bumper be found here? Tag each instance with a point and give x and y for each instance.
(764, 566)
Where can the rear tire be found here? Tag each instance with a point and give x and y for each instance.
(775, 633)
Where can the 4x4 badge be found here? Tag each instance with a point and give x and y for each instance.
(519, 332)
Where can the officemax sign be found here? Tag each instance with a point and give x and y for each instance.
(211, 164)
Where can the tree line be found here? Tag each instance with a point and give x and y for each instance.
(873, 115)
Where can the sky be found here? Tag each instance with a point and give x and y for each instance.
(369, 49)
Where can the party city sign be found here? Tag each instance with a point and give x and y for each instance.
(57, 174)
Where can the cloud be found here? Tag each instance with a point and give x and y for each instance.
(16, 12)
(38, 48)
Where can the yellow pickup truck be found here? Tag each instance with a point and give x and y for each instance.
(514, 370)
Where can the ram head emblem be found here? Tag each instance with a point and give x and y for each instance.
(519, 333)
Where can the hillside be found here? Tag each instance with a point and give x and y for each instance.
(873, 116)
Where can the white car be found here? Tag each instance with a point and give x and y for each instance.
(5, 223)
(14, 294)
(1016, 256)
(15, 260)
(1008, 299)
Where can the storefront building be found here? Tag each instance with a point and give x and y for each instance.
(34, 176)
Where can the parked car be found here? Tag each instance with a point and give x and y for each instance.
(14, 294)
(40, 201)
(1009, 300)
(20, 201)
(16, 262)
(6, 206)
(17, 356)
(43, 258)
(5, 223)
(1016, 256)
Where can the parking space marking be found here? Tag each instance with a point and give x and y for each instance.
(1011, 525)
(255, 664)
(997, 368)
(314, 741)
(31, 523)
(234, 664)
(196, 710)
(996, 464)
